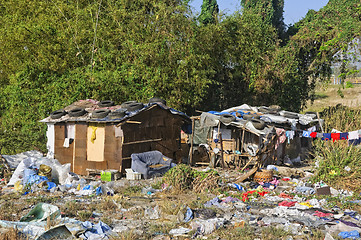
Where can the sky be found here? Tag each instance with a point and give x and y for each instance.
(294, 9)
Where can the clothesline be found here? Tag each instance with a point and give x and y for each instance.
(354, 137)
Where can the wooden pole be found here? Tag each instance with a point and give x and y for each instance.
(241, 148)
(221, 141)
(318, 117)
(191, 150)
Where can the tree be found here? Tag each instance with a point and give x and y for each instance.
(271, 12)
(209, 12)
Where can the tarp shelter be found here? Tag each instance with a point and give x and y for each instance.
(243, 140)
(105, 142)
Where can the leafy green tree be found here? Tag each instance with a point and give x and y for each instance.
(270, 10)
(209, 12)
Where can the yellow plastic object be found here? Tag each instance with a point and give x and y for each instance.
(306, 204)
(18, 186)
(45, 170)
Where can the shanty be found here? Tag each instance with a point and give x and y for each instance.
(93, 135)
(245, 135)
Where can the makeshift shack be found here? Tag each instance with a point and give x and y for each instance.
(243, 135)
(98, 135)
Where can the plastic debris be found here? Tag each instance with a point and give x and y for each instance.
(41, 212)
(152, 213)
(179, 231)
(189, 215)
(352, 234)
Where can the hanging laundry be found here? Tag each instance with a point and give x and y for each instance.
(353, 135)
(326, 136)
(313, 134)
(335, 136)
(354, 138)
(312, 129)
(319, 135)
(306, 134)
(344, 136)
(281, 133)
(290, 135)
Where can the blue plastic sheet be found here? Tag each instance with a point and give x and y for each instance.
(88, 187)
(36, 179)
(352, 234)
(51, 185)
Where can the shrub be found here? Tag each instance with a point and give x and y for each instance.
(348, 84)
(183, 177)
(338, 163)
(180, 177)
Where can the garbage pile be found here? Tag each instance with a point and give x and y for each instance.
(152, 209)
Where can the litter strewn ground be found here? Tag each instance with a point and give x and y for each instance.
(186, 203)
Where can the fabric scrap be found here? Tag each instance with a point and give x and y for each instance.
(284, 195)
(93, 136)
(305, 190)
(287, 203)
(306, 204)
(322, 214)
(319, 135)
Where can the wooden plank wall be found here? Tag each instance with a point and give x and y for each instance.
(62, 154)
(79, 163)
(156, 123)
(112, 148)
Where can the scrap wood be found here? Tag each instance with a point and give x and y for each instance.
(259, 150)
(129, 121)
(250, 160)
(246, 175)
(143, 141)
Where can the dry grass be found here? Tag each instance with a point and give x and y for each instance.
(328, 96)
(11, 211)
(244, 233)
(207, 184)
(11, 234)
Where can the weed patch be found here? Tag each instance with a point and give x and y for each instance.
(183, 177)
(338, 164)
